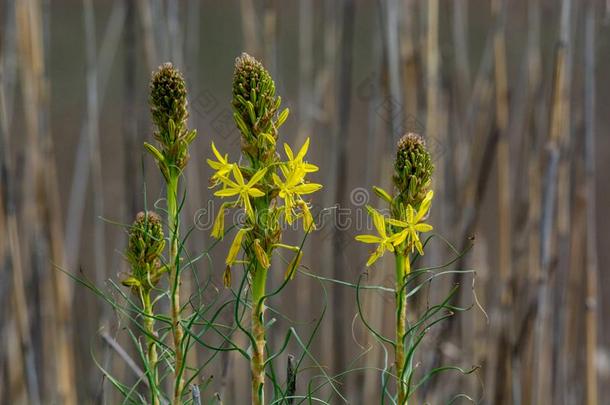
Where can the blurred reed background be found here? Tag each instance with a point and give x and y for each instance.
(511, 96)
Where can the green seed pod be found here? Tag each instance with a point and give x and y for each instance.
(146, 243)
(412, 170)
(255, 106)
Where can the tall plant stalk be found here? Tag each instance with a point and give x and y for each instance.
(169, 113)
(174, 277)
(146, 244)
(258, 332)
(151, 346)
(409, 205)
(403, 267)
(268, 189)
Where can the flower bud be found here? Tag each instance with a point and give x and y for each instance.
(168, 106)
(255, 106)
(413, 170)
(145, 246)
(168, 98)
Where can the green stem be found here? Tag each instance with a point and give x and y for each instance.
(403, 267)
(149, 325)
(257, 362)
(173, 223)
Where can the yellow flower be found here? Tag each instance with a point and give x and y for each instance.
(413, 225)
(383, 241)
(234, 249)
(297, 162)
(292, 188)
(222, 165)
(218, 230)
(308, 222)
(241, 189)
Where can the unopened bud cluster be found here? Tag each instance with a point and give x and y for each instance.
(146, 243)
(413, 170)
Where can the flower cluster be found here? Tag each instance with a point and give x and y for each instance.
(409, 205)
(281, 186)
(146, 244)
(268, 188)
(412, 170)
(255, 108)
(393, 233)
(168, 106)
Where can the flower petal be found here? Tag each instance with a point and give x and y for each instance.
(368, 239)
(238, 176)
(226, 192)
(423, 227)
(303, 150)
(307, 188)
(255, 192)
(234, 249)
(217, 154)
(256, 177)
(425, 206)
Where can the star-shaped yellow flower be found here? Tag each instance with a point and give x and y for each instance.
(240, 188)
(296, 162)
(413, 225)
(222, 165)
(383, 241)
(292, 188)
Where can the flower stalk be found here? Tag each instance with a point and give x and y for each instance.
(168, 105)
(402, 271)
(409, 206)
(151, 346)
(146, 244)
(270, 191)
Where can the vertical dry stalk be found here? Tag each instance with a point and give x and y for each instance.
(249, 24)
(40, 171)
(504, 203)
(433, 82)
(409, 58)
(341, 176)
(591, 315)
(558, 128)
(18, 341)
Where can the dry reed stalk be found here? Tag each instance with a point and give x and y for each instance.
(504, 367)
(249, 23)
(92, 123)
(270, 25)
(325, 92)
(131, 142)
(339, 172)
(472, 181)
(432, 79)
(408, 59)
(42, 172)
(146, 19)
(374, 305)
(80, 177)
(17, 338)
(534, 195)
(592, 278)
(557, 133)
